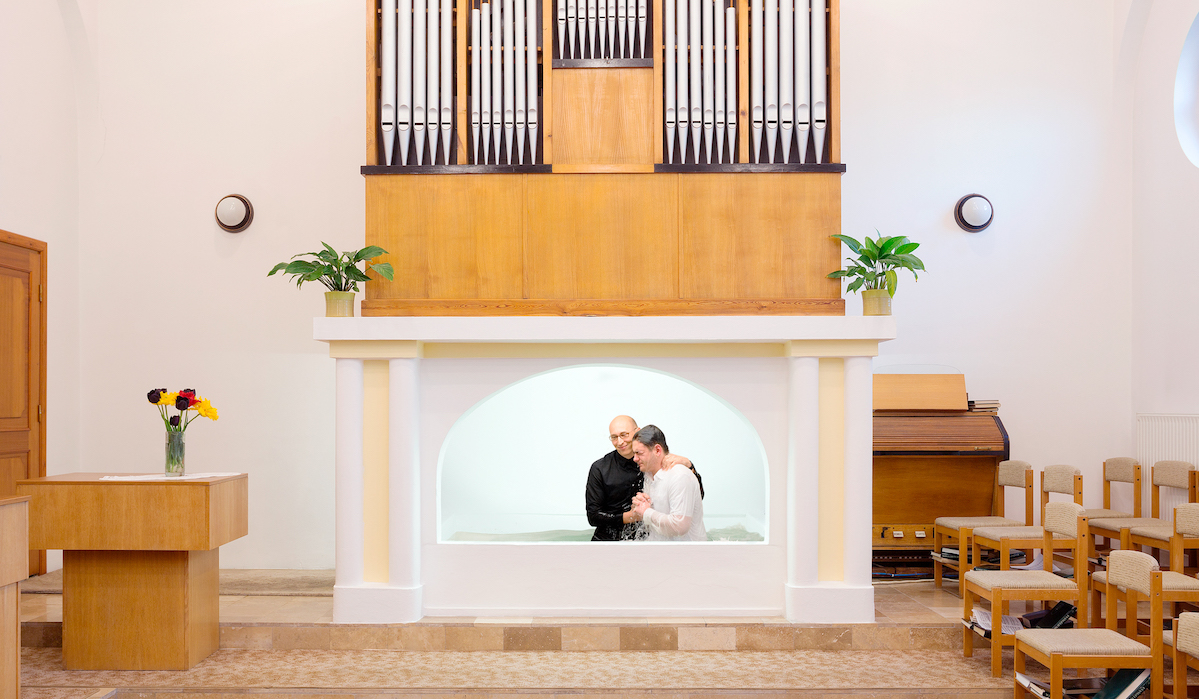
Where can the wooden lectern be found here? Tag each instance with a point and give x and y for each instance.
(140, 565)
(14, 567)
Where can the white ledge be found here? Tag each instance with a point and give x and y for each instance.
(605, 329)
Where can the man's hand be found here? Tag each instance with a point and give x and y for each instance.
(641, 503)
(671, 460)
(631, 516)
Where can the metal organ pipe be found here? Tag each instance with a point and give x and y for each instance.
(668, 76)
(592, 25)
(684, 116)
(718, 75)
(497, 78)
(387, 82)
(642, 22)
(602, 24)
(611, 53)
(404, 68)
(709, 116)
(485, 78)
(519, 33)
(509, 78)
(803, 77)
(772, 78)
(531, 74)
(562, 28)
(475, 120)
(418, 79)
(432, 102)
(572, 25)
(447, 77)
(755, 80)
(622, 16)
(819, 81)
(786, 77)
(697, 105)
(730, 76)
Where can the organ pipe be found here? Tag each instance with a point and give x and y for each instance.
(475, 120)
(730, 121)
(697, 106)
(709, 116)
(684, 116)
(803, 77)
(642, 22)
(668, 76)
(786, 76)
(819, 81)
(497, 77)
(771, 100)
(447, 78)
(562, 28)
(622, 35)
(611, 50)
(755, 80)
(521, 123)
(572, 25)
(387, 83)
(432, 102)
(418, 79)
(717, 15)
(404, 68)
(602, 24)
(531, 74)
(485, 76)
(509, 77)
(592, 24)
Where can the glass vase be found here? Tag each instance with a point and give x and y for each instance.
(175, 453)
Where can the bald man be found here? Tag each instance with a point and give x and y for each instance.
(613, 482)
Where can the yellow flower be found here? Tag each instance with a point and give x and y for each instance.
(168, 398)
(206, 410)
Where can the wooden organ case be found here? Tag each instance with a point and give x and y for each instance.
(603, 207)
(932, 458)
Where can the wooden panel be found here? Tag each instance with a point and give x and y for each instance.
(918, 489)
(78, 511)
(759, 236)
(631, 307)
(603, 116)
(14, 540)
(10, 642)
(602, 236)
(956, 433)
(13, 468)
(547, 82)
(139, 610)
(15, 342)
(920, 392)
(450, 236)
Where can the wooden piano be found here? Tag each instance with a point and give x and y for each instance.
(933, 457)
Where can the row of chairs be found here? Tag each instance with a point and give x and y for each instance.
(1130, 576)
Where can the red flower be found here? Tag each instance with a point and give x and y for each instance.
(190, 395)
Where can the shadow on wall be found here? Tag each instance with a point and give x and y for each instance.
(514, 467)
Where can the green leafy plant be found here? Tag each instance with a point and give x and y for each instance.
(336, 272)
(877, 261)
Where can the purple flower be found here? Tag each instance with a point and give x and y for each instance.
(174, 421)
(182, 403)
(155, 395)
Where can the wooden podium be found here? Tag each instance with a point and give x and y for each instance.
(14, 567)
(140, 565)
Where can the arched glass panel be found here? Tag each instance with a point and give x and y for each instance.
(1186, 95)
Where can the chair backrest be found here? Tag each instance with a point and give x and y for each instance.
(1063, 479)
(1122, 469)
(1186, 520)
(1131, 570)
(1062, 518)
(1188, 633)
(1015, 474)
(1172, 474)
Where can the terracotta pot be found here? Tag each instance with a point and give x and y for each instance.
(876, 302)
(339, 304)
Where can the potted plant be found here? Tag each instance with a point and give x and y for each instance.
(874, 269)
(338, 273)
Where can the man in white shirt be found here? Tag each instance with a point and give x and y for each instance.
(671, 506)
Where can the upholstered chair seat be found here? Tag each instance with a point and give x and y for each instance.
(1019, 580)
(1080, 642)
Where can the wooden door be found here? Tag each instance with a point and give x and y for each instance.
(22, 367)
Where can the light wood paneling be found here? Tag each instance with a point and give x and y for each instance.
(547, 82)
(604, 116)
(967, 432)
(450, 236)
(628, 307)
(139, 610)
(918, 489)
(602, 236)
(78, 511)
(14, 540)
(920, 392)
(10, 641)
(765, 236)
(14, 348)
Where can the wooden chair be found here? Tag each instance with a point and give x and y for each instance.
(1066, 480)
(1184, 641)
(1003, 586)
(1058, 649)
(1010, 474)
(1118, 469)
(1165, 474)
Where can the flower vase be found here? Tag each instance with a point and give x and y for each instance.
(175, 453)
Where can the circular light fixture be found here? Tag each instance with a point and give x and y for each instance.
(973, 212)
(234, 213)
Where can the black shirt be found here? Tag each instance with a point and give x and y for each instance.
(611, 485)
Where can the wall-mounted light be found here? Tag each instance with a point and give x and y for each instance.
(973, 212)
(234, 213)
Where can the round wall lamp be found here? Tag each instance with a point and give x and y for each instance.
(234, 213)
(973, 212)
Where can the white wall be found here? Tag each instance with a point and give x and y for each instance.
(1013, 100)
(123, 122)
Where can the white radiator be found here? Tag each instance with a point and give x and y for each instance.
(1166, 437)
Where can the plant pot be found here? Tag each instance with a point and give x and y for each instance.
(339, 304)
(175, 453)
(876, 302)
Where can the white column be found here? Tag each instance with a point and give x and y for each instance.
(803, 472)
(859, 469)
(404, 496)
(349, 488)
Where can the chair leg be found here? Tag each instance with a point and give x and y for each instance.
(968, 633)
(1018, 664)
(996, 632)
(964, 564)
(1096, 610)
(1131, 624)
(1180, 673)
(1113, 621)
(937, 544)
(1056, 675)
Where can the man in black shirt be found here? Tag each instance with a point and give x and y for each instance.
(614, 480)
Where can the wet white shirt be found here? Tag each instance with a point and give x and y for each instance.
(676, 511)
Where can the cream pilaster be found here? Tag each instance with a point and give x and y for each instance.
(803, 474)
(348, 480)
(404, 489)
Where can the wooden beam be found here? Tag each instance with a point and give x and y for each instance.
(658, 104)
(547, 81)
